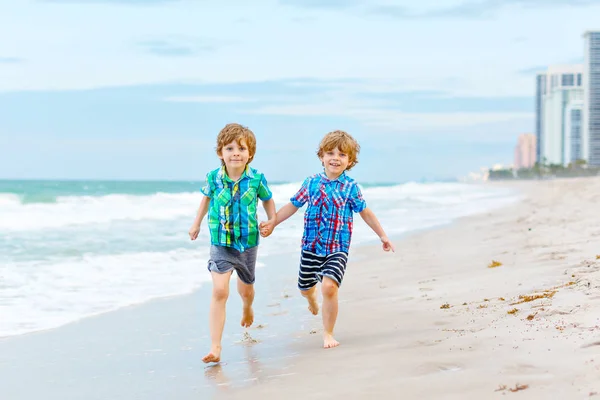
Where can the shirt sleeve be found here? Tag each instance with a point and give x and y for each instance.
(357, 203)
(264, 193)
(208, 189)
(302, 196)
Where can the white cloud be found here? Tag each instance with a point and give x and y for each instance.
(208, 99)
(351, 100)
(68, 46)
(395, 120)
(439, 122)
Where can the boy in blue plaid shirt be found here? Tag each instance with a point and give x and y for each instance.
(332, 198)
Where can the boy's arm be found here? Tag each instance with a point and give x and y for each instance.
(285, 212)
(269, 206)
(202, 210)
(369, 217)
(266, 228)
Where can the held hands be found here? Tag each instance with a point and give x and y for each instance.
(387, 245)
(266, 228)
(194, 231)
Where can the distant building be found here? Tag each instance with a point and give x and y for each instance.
(559, 99)
(525, 151)
(540, 91)
(573, 146)
(591, 106)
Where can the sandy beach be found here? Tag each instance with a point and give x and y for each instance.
(434, 321)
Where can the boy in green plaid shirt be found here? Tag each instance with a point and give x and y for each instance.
(230, 199)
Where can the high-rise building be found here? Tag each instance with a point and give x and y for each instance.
(525, 151)
(540, 92)
(591, 106)
(573, 147)
(560, 96)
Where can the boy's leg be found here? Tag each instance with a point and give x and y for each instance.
(333, 271)
(311, 296)
(310, 265)
(247, 294)
(245, 266)
(218, 302)
(329, 289)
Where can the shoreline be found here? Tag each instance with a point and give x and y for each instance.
(131, 343)
(154, 349)
(356, 246)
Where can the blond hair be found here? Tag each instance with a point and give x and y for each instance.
(342, 141)
(236, 132)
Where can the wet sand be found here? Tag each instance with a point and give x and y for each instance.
(154, 350)
(434, 321)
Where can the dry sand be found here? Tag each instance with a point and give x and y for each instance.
(433, 321)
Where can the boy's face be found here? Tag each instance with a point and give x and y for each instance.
(335, 162)
(235, 155)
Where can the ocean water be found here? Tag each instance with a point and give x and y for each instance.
(72, 249)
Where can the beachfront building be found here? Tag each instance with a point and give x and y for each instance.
(540, 92)
(573, 149)
(558, 108)
(591, 106)
(525, 151)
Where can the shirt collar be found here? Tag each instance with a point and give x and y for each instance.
(342, 178)
(222, 174)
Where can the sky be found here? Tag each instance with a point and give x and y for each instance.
(139, 89)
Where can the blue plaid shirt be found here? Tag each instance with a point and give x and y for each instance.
(328, 217)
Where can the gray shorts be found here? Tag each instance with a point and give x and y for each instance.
(224, 259)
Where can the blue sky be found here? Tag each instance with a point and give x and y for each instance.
(138, 89)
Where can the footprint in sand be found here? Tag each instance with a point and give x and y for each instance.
(436, 368)
(557, 256)
(585, 346)
(422, 343)
(523, 369)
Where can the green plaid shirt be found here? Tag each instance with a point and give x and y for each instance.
(232, 212)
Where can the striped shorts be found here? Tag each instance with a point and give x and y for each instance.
(314, 267)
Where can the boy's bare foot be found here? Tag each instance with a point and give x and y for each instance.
(247, 317)
(329, 341)
(213, 356)
(313, 304)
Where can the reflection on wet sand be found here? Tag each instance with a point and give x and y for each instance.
(259, 354)
(215, 374)
(247, 371)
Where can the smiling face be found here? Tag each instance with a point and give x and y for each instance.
(235, 155)
(335, 162)
(338, 153)
(236, 146)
